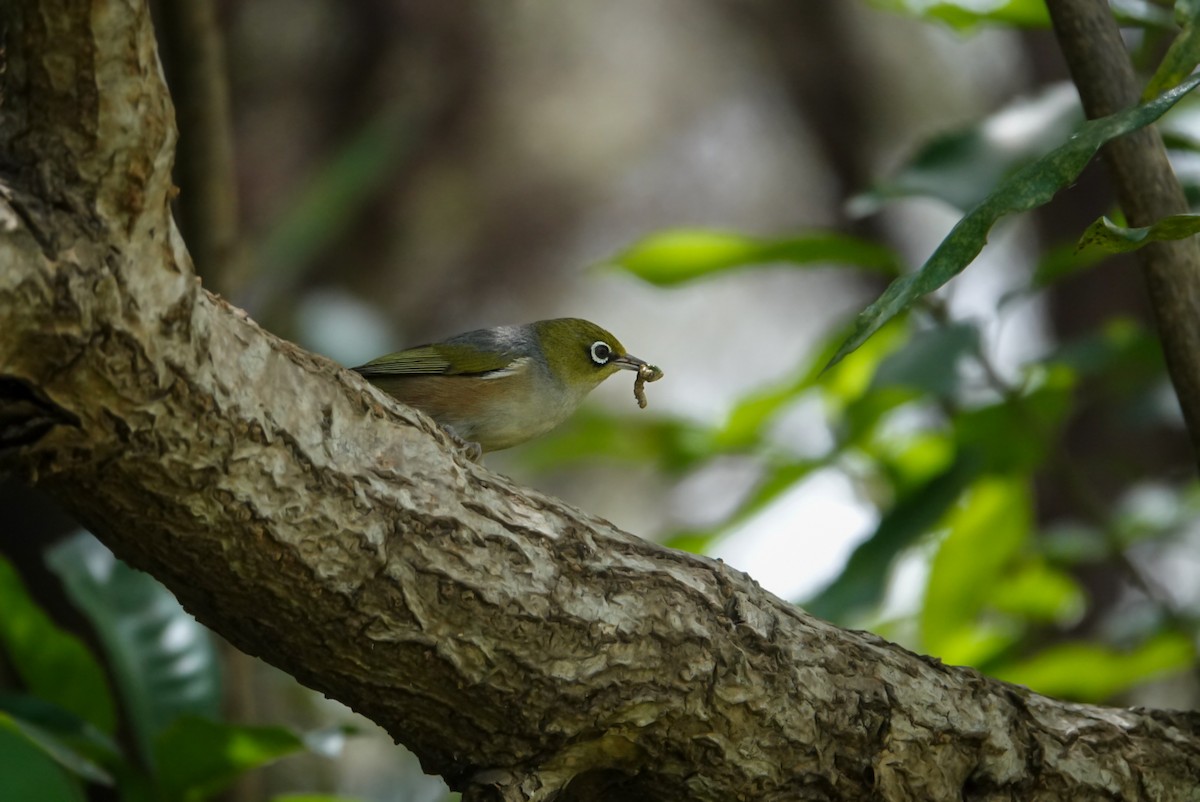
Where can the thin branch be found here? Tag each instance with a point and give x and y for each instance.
(205, 168)
(1146, 188)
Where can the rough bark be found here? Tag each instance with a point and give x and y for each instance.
(519, 647)
(1146, 187)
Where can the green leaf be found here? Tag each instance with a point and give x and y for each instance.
(862, 582)
(982, 643)
(312, 798)
(1015, 435)
(930, 361)
(1108, 236)
(751, 414)
(672, 257)
(868, 414)
(960, 167)
(1036, 592)
(840, 387)
(57, 750)
(967, 14)
(910, 460)
(854, 403)
(1028, 188)
(52, 663)
(1092, 672)
(27, 772)
(1181, 57)
(164, 661)
(694, 541)
(986, 534)
(196, 757)
(849, 381)
(70, 740)
(1143, 13)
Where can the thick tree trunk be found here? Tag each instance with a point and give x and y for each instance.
(518, 646)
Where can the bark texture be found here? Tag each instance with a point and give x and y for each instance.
(522, 649)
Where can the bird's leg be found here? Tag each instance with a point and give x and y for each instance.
(473, 450)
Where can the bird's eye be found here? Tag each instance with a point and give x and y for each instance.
(601, 352)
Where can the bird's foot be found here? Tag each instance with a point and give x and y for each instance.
(471, 449)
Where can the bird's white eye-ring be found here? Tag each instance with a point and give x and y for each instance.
(601, 353)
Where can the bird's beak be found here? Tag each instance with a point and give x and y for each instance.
(628, 361)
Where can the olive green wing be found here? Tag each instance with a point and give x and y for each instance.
(447, 359)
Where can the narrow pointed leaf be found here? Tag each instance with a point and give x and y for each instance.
(1028, 188)
(1093, 672)
(960, 166)
(931, 361)
(986, 533)
(1040, 593)
(1108, 236)
(750, 416)
(1145, 13)
(679, 255)
(1182, 56)
(198, 758)
(56, 749)
(864, 579)
(53, 664)
(86, 751)
(965, 15)
(27, 772)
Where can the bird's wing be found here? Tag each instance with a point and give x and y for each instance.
(448, 359)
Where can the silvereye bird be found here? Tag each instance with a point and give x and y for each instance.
(496, 388)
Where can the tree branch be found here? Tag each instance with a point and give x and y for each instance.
(1146, 188)
(519, 647)
(205, 167)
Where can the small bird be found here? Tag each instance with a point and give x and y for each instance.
(495, 388)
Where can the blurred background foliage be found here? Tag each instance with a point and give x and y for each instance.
(998, 477)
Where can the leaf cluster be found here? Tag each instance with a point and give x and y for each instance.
(948, 451)
(143, 717)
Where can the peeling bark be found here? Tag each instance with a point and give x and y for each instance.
(521, 648)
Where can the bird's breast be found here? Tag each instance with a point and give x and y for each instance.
(497, 410)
